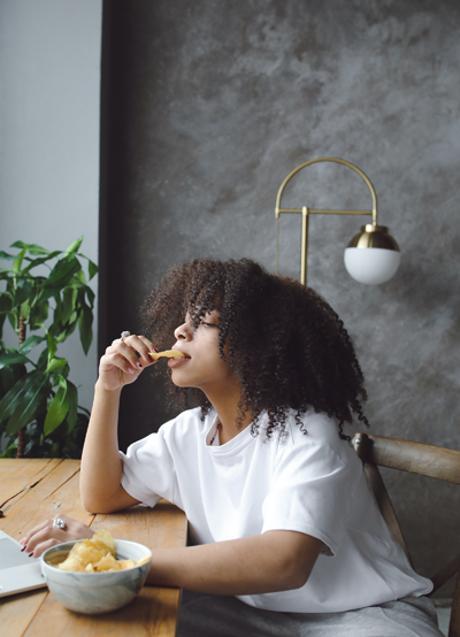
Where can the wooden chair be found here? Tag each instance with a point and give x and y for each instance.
(423, 459)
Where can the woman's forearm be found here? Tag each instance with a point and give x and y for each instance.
(101, 466)
(273, 561)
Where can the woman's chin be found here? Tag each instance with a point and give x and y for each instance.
(179, 384)
(179, 381)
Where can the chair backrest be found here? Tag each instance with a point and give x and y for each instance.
(423, 459)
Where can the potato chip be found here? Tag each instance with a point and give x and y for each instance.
(106, 563)
(72, 563)
(128, 563)
(106, 538)
(168, 353)
(95, 555)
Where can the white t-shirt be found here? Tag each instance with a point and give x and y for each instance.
(313, 483)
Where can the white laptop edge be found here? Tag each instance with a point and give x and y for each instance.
(20, 577)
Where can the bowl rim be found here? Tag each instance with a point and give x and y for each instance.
(148, 559)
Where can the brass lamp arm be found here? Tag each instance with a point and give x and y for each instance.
(335, 160)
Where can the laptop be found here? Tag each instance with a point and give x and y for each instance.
(18, 571)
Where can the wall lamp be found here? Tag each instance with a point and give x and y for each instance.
(372, 256)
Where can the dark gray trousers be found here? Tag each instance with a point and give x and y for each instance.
(203, 615)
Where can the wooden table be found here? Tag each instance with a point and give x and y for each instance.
(34, 490)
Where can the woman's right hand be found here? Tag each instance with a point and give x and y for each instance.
(45, 535)
(124, 360)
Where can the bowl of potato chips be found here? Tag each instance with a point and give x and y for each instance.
(96, 575)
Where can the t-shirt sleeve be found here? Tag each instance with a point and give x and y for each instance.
(311, 490)
(148, 469)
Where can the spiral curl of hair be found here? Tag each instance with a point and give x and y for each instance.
(285, 344)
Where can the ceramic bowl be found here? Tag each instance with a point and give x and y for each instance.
(94, 593)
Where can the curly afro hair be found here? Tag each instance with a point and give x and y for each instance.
(282, 340)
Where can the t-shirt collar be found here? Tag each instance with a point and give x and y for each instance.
(242, 439)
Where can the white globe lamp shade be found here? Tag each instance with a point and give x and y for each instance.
(371, 266)
(372, 256)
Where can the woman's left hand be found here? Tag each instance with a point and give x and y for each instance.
(47, 534)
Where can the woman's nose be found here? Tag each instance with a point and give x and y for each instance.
(183, 331)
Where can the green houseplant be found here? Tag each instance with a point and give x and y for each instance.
(45, 296)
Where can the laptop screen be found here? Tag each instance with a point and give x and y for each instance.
(11, 554)
(18, 571)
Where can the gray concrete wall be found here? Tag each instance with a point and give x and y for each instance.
(222, 99)
(49, 137)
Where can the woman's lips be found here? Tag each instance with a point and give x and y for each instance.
(177, 362)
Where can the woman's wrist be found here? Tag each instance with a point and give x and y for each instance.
(100, 387)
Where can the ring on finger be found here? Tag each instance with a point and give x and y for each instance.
(58, 523)
(124, 335)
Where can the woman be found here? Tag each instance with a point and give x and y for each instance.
(288, 538)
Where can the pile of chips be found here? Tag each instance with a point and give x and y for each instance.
(95, 555)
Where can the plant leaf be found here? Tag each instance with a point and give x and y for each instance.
(30, 343)
(90, 295)
(17, 263)
(57, 365)
(9, 400)
(92, 269)
(38, 314)
(52, 345)
(69, 296)
(12, 358)
(33, 263)
(23, 407)
(74, 246)
(13, 320)
(19, 244)
(23, 291)
(42, 362)
(72, 398)
(57, 408)
(24, 311)
(33, 248)
(86, 332)
(9, 375)
(5, 255)
(6, 302)
(63, 271)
